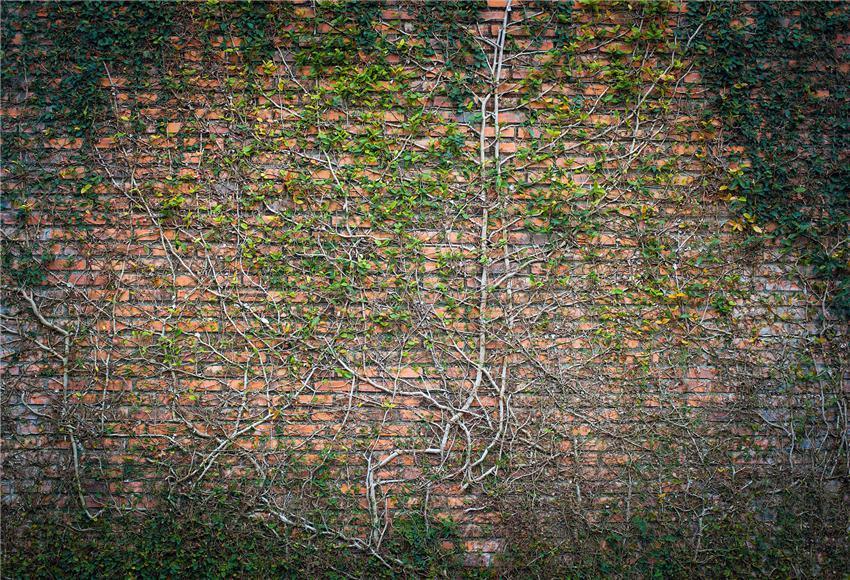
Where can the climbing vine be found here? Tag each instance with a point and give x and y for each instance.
(419, 288)
(781, 81)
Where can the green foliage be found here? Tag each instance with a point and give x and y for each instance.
(444, 32)
(417, 540)
(89, 42)
(214, 539)
(22, 266)
(352, 32)
(157, 546)
(781, 89)
(756, 542)
(253, 23)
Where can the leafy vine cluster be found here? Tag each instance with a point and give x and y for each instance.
(421, 288)
(781, 81)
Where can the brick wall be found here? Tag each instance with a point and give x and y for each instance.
(362, 262)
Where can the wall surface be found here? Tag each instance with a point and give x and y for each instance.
(368, 268)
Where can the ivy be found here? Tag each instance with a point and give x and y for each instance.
(22, 265)
(445, 32)
(211, 541)
(781, 89)
(87, 39)
(352, 32)
(254, 23)
(325, 158)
